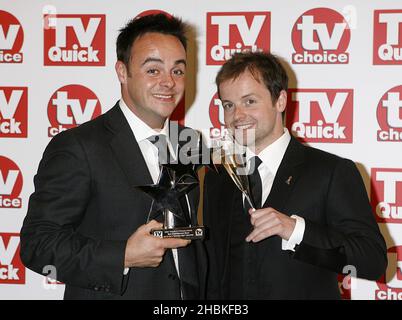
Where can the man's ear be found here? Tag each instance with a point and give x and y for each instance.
(282, 101)
(121, 71)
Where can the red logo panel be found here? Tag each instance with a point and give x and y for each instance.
(10, 184)
(12, 271)
(229, 32)
(321, 115)
(71, 106)
(320, 36)
(74, 39)
(11, 38)
(387, 37)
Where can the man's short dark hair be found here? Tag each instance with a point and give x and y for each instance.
(263, 66)
(137, 27)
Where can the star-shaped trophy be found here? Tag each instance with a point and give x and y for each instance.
(176, 179)
(169, 201)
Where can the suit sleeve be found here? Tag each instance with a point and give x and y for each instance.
(351, 235)
(50, 235)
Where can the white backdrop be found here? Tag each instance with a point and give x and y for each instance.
(351, 105)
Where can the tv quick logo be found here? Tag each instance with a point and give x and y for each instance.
(74, 40)
(12, 271)
(389, 115)
(390, 287)
(320, 36)
(10, 184)
(11, 38)
(387, 37)
(230, 32)
(13, 112)
(71, 106)
(386, 194)
(321, 115)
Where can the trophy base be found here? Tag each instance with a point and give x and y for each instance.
(189, 233)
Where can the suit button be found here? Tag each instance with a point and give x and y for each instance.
(96, 288)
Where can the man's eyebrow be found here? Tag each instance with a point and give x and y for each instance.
(247, 95)
(147, 60)
(181, 61)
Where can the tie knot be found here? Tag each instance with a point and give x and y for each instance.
(254, 164)
(160, 141)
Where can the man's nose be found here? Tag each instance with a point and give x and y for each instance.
(167, 81)
(239, 113)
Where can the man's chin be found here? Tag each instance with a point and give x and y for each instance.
(245, 137)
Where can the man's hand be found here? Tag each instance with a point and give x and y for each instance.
(268, 222)
(146, 250)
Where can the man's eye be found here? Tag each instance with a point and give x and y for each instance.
(250, 101)
(178, 72)
(152, 71)
(227, 106)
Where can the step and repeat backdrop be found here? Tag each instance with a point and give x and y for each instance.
(344, 61)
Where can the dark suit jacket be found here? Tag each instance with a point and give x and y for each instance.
(84, 209)
(328, 192)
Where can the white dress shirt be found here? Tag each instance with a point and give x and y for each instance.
(149, 151)
(271, 158)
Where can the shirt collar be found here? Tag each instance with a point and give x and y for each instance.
(140, 129)
(273, 154)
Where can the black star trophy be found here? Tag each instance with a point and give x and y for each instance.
(169, 200)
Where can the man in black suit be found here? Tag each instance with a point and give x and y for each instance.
(86, 218)
(313, 216)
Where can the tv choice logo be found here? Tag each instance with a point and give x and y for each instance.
(12, 271)
(389, 115)
(11, 181)
(321, 36)
(74, 39)
(390, 286)
(70, 106)
(216, 117)
(386, 194)
(387, 37)
(230, 32)
(321, 115)
(13, 112)
(11, 38)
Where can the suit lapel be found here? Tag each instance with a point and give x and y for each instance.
(126, 149)
(286, 176)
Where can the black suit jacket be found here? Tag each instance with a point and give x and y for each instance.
(328, 192)
(84, 209)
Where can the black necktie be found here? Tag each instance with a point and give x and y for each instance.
(255, 183)
(160, 141)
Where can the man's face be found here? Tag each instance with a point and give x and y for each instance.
(249, 112)
(154, 83)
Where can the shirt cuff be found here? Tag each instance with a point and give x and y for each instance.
(126, 270)
(296, 236)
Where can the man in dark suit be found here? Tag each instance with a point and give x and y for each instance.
(312, 214)
(86, 218)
